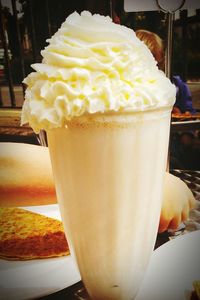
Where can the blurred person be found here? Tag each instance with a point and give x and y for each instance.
(183, 102)
(154, 43)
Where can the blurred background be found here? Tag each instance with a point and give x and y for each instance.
(27, 24)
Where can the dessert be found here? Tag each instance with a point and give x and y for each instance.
(25, 175)
(92, 65)
(106, 108)
(26, 235)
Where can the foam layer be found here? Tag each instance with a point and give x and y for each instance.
(93, 65)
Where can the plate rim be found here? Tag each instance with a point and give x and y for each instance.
(10, 290)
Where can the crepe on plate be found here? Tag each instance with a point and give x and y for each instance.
(27, 235)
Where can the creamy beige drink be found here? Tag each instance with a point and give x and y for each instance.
(106, 109)
(109, 173)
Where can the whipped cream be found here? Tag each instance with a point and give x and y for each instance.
(92, 65)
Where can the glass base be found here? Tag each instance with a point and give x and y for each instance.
(81, 294)
(76, 291)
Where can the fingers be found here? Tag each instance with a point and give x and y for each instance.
(175, 222)
(178, 200)
(179, 218)
(185, 213)
(192, 200)
(163, 225)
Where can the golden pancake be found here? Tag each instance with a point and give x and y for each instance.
(27, 235)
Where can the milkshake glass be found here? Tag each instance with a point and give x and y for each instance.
(109, 173)
(105, 107)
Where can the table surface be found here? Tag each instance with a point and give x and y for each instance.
(192, 179)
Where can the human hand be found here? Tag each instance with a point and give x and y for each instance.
(178, 200)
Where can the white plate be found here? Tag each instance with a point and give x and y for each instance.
(172, 269)
(36, 278)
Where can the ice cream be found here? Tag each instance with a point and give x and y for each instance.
(93, 65)
(105, 106)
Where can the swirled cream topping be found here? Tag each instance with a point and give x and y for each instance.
(93, 65)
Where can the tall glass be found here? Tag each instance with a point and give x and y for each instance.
(109, 171)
